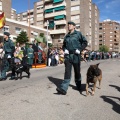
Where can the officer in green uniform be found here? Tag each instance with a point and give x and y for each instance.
(9, 49)
(30, 54)
(73, 44)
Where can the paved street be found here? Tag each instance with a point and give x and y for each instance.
(36, 98)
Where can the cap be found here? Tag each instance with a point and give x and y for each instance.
(72, 23)
(30, 43)
(7, 33)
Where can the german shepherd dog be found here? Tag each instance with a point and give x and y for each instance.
(22, 68)
(93, 74)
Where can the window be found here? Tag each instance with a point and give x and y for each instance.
(0, 5)
(75, 8)
(39, 22)
(24, 16)
(17, 30)
(77, 26)
(111, 36)
(39, 7)
(31, 19)
(74, 0)
(75, 17)
(6, 28)
(110, 44)
(39, 15)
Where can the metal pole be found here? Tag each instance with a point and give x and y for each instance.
(29, 20)
(47, 34)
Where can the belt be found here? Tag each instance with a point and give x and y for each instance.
(7, 52)
(71, 52)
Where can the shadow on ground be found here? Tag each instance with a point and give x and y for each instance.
(116, 87)
(115, 105)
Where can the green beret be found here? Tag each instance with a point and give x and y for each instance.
(72, 23)
(7, 33)
(30, 43)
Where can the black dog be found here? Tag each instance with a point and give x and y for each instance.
(93, 74)
(22, 68)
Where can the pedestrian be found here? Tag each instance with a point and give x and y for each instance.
(30, 54)
(24, 59)
(49, 56)
(40, 50)
(74, 43)
(35, 48)
(9, 49)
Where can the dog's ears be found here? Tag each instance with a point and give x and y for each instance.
(98, 64)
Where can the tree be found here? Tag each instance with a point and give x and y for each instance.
(41, 38)
(103, 48)
(22, 37)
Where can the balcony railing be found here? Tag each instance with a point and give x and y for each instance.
(51, 5)
(49, 15)
(48, 1)
(74, 3)
(60, 22)
(58, 31)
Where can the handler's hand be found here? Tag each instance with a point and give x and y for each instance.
(66, 51)
(77, 51)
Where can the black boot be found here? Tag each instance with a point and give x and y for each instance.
(61, 91)
(78, 84)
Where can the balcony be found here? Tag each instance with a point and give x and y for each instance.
(40, 11)
(49, 15)
(75, 12)
(60, 22)
(39, 18)
(40, 3)
(53, 6)
(59, 31)
(48, 1)
(74, 3)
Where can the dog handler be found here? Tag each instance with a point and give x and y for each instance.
(9, 49)
(73, 44)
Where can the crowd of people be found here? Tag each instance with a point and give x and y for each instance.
(52, 57)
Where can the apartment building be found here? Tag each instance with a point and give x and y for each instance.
(95, 27)
(109, 35)
(82, 12)
(15, 25)
(55, 14)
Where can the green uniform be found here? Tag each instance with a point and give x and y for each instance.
(30, 54)
(72, 42)
(9, 49)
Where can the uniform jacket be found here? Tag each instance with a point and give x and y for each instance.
(30, 53)
(72, 42)
(9, 47)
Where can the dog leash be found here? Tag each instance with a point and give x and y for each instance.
(84, 60)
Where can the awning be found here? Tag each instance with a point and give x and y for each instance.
(59, 8)
(49, 10)
(57, 1)
(59, 17)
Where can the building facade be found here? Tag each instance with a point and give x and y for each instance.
(55, 14)
(14, 26)
(109, 35)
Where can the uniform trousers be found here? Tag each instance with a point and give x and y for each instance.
(67, 75)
